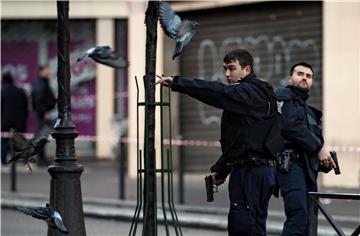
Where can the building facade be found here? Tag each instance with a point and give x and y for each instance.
(326, 34)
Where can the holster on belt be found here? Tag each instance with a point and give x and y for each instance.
(285, 158)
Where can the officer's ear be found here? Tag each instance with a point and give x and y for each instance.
(247, 69)
(290, 79)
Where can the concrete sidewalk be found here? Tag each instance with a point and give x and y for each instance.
(100, 193)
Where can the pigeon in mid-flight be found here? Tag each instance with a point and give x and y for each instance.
(104, 55)
(26, 149)
(48, 214)
(180, 30)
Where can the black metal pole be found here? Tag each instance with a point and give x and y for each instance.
(13, 174)
(65, 188)
(181, 174)
(121, 156)
(313, 220)
(13, 177)
(150, 222)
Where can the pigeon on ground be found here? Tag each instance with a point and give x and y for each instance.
(180, 30)
(26, 149)
(49, 214)
(104, 55)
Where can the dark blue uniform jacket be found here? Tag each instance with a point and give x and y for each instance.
(249, 119)
(301, 127)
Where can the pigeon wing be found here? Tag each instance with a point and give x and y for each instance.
(14, 158)
(42, 213)
(25, 210)
(118, 63)
(86, 54)
(59, 222)
(178, 48)
(185, 27)
(19, 142)
(169, 20)
(103, 52)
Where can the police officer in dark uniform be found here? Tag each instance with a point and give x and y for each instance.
(250, 138)
(304, 154)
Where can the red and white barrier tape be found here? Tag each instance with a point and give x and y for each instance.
(174, 142)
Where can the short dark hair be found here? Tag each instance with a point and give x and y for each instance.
(42, 67)
(7, 78)
(301, 64)
(241, 55)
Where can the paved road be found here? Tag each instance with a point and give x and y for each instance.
(15, 223)
(100, 180)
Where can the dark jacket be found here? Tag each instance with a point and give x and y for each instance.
(43, 99)
(14, 108)
(301, 127)
(249, 120)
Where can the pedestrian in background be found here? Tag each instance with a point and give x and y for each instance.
(43, 101)
(250, 138)
(304, 154)
(14, 111)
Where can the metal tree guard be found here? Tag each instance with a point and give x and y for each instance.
(166, 174)
(65, 188)
(148, 203)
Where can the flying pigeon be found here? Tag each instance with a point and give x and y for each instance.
(104, 55)
(26, 149)
(175, 28)
(49, 214)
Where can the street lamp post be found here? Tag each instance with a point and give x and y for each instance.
(65, 188)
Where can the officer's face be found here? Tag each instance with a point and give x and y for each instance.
(233, 71)
(302, 78)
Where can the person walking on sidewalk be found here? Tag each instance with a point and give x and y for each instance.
(14, 111)
(43, 101)
(250, 138)
(301, 129)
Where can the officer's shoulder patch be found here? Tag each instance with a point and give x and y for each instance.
(279, 106)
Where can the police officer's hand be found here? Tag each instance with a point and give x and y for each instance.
(325, 158)
(164, 80)
(216, 180)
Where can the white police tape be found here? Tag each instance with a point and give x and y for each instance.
(174, 142)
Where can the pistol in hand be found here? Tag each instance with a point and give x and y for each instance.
(334, 157)
(211, 188)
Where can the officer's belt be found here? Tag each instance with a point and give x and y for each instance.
(252, 161)
(293, 154)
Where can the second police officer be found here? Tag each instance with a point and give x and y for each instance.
(304, 154)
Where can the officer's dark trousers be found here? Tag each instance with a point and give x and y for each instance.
(250, 189)
(294, 187)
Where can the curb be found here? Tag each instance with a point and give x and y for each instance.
(214, 218)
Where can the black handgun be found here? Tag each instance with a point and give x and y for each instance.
(209, 188)
(334, 157)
